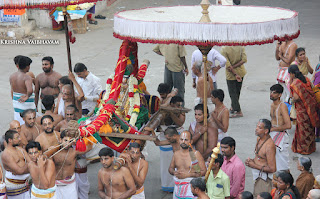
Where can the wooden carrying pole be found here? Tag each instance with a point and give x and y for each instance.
(205, 50)
(64, 10)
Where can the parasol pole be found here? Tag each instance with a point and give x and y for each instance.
(64, 10)
(205, 50)
(214, 156)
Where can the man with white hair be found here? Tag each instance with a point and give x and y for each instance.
(314, 194)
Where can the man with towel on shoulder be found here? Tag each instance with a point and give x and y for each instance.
(21, 88)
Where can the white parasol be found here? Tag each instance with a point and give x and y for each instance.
(229, 26)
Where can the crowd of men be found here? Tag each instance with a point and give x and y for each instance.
(39, 144)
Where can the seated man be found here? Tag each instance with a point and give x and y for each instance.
(114, 184)
(198, 72)
(218, 183)
(70, 114)
(42, 172)
(186, 164)
(48, 103)
(197, 130)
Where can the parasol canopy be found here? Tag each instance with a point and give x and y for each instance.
(230, 25)
(48, 4)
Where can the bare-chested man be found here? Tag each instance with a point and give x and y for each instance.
(220, 114)
(15, 161)
(172, 118)
(138, 168)
(198, 188)
(285, 54)
(280, 121)
(48, 104)
(166, 94)
(264, 162)
(48, 138)
(114, 184)
(197, 71)
(15, 125)
(186, 164)
(65, 162)
(70, 114)
(47, 81)
(68, 97)
(42, 172)
(30, 129)
(21, 89)
(197, 130)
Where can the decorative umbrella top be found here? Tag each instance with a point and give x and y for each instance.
(230, 25)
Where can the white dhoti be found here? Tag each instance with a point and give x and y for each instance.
(20, 107)
(182, 188)
(139, 194)
(67, 189)
(17, 186)
(82, 182)
(3, 193)
(281, 140)
(166, 153)
(43, 193)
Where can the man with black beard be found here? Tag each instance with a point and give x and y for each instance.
(48, 138)
(47, 81)
(186, 164)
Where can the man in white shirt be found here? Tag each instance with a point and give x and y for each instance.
(90, 85)
(212, 56)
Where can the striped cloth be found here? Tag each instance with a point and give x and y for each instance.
(20, 107)
(43, 193)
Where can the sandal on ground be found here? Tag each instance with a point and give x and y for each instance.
(100, 17)
(93, 22)
(236, 114)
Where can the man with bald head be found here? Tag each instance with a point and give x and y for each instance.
(15, 125)
(69, 98)
(186, 164)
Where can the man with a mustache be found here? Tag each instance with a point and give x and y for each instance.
(186, 164)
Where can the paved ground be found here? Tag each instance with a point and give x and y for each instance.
(99, 50)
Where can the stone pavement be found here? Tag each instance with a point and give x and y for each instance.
(98, 49)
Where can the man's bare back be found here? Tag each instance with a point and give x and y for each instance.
(114, 182)
(276, 114)
(47, 140)
(21, 82)
(31, 133)
(62, 125)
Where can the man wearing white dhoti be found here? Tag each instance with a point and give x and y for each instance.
(185, 165)
(42, 172)
(65, 162)
(21, 88)
(280, 121)
(15, 159)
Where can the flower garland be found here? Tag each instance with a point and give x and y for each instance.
(134, 101)
(106, 94)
